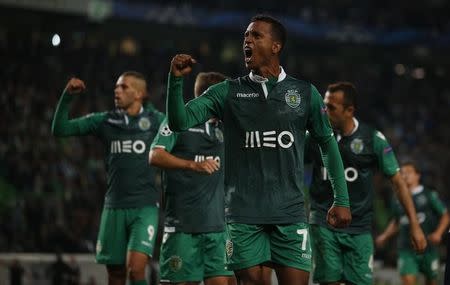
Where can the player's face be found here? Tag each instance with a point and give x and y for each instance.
(410, 176)
(125, 93)
(336, 111)
(258, 45)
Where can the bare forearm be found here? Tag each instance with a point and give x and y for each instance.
(404, 196)
(163, 159)
(443, 224)
(391, 230)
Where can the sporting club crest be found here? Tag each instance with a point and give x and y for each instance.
(144, 124)
(357, 146)
(293, 98)
(175, 263)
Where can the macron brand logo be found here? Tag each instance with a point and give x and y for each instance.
(247, 95)
(257, 139)
(128, 146)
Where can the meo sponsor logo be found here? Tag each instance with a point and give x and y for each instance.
(127, 146)
(200, 158)
(257, 139)
(351, 174)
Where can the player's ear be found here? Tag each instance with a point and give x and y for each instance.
(276, 47)
(142, 95)
(350, 109)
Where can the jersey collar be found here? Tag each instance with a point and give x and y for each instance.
(417, 190)
(125, 116)
(260, 79)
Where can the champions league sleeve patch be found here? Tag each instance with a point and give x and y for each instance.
(387, 149)
(165, 131)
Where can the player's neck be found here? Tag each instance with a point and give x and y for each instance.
(267, 71)
(134, 109)
(348, 127)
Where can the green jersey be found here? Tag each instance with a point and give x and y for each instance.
(265, 121)
(429, 210)
(194, 201)
(362, 152)
(127, 140)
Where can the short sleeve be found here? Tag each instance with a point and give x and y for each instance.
(387, 162)
(165, 138)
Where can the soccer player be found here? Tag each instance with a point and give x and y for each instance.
(194, 234)
(434, 220)
(265, 114)
(130, 214)
(346, 255)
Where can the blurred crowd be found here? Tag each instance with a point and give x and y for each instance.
(52, 189)
(383, 15)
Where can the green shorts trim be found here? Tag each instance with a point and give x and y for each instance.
(123, 230)
(284, 244)
(341, 256)
(410, 263)
(189, 257)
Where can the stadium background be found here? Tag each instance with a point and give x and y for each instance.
(51, 190)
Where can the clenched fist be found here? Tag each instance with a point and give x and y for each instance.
(181, 64)
(75, 86)
(339, 217)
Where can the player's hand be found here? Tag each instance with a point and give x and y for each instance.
(208, 166)
(181, 64)
(418, 240)
(380, 241)
(75, 86)
(435, 238)
(339, 217)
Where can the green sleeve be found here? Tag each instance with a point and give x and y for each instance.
(63, 127)
(197, 111)
(165, 138)
(308, 149)
(320, 129)
(436, 203)
(318, 122)
(396, 209)
(385, 155)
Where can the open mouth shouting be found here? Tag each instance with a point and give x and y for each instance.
(248, 52)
